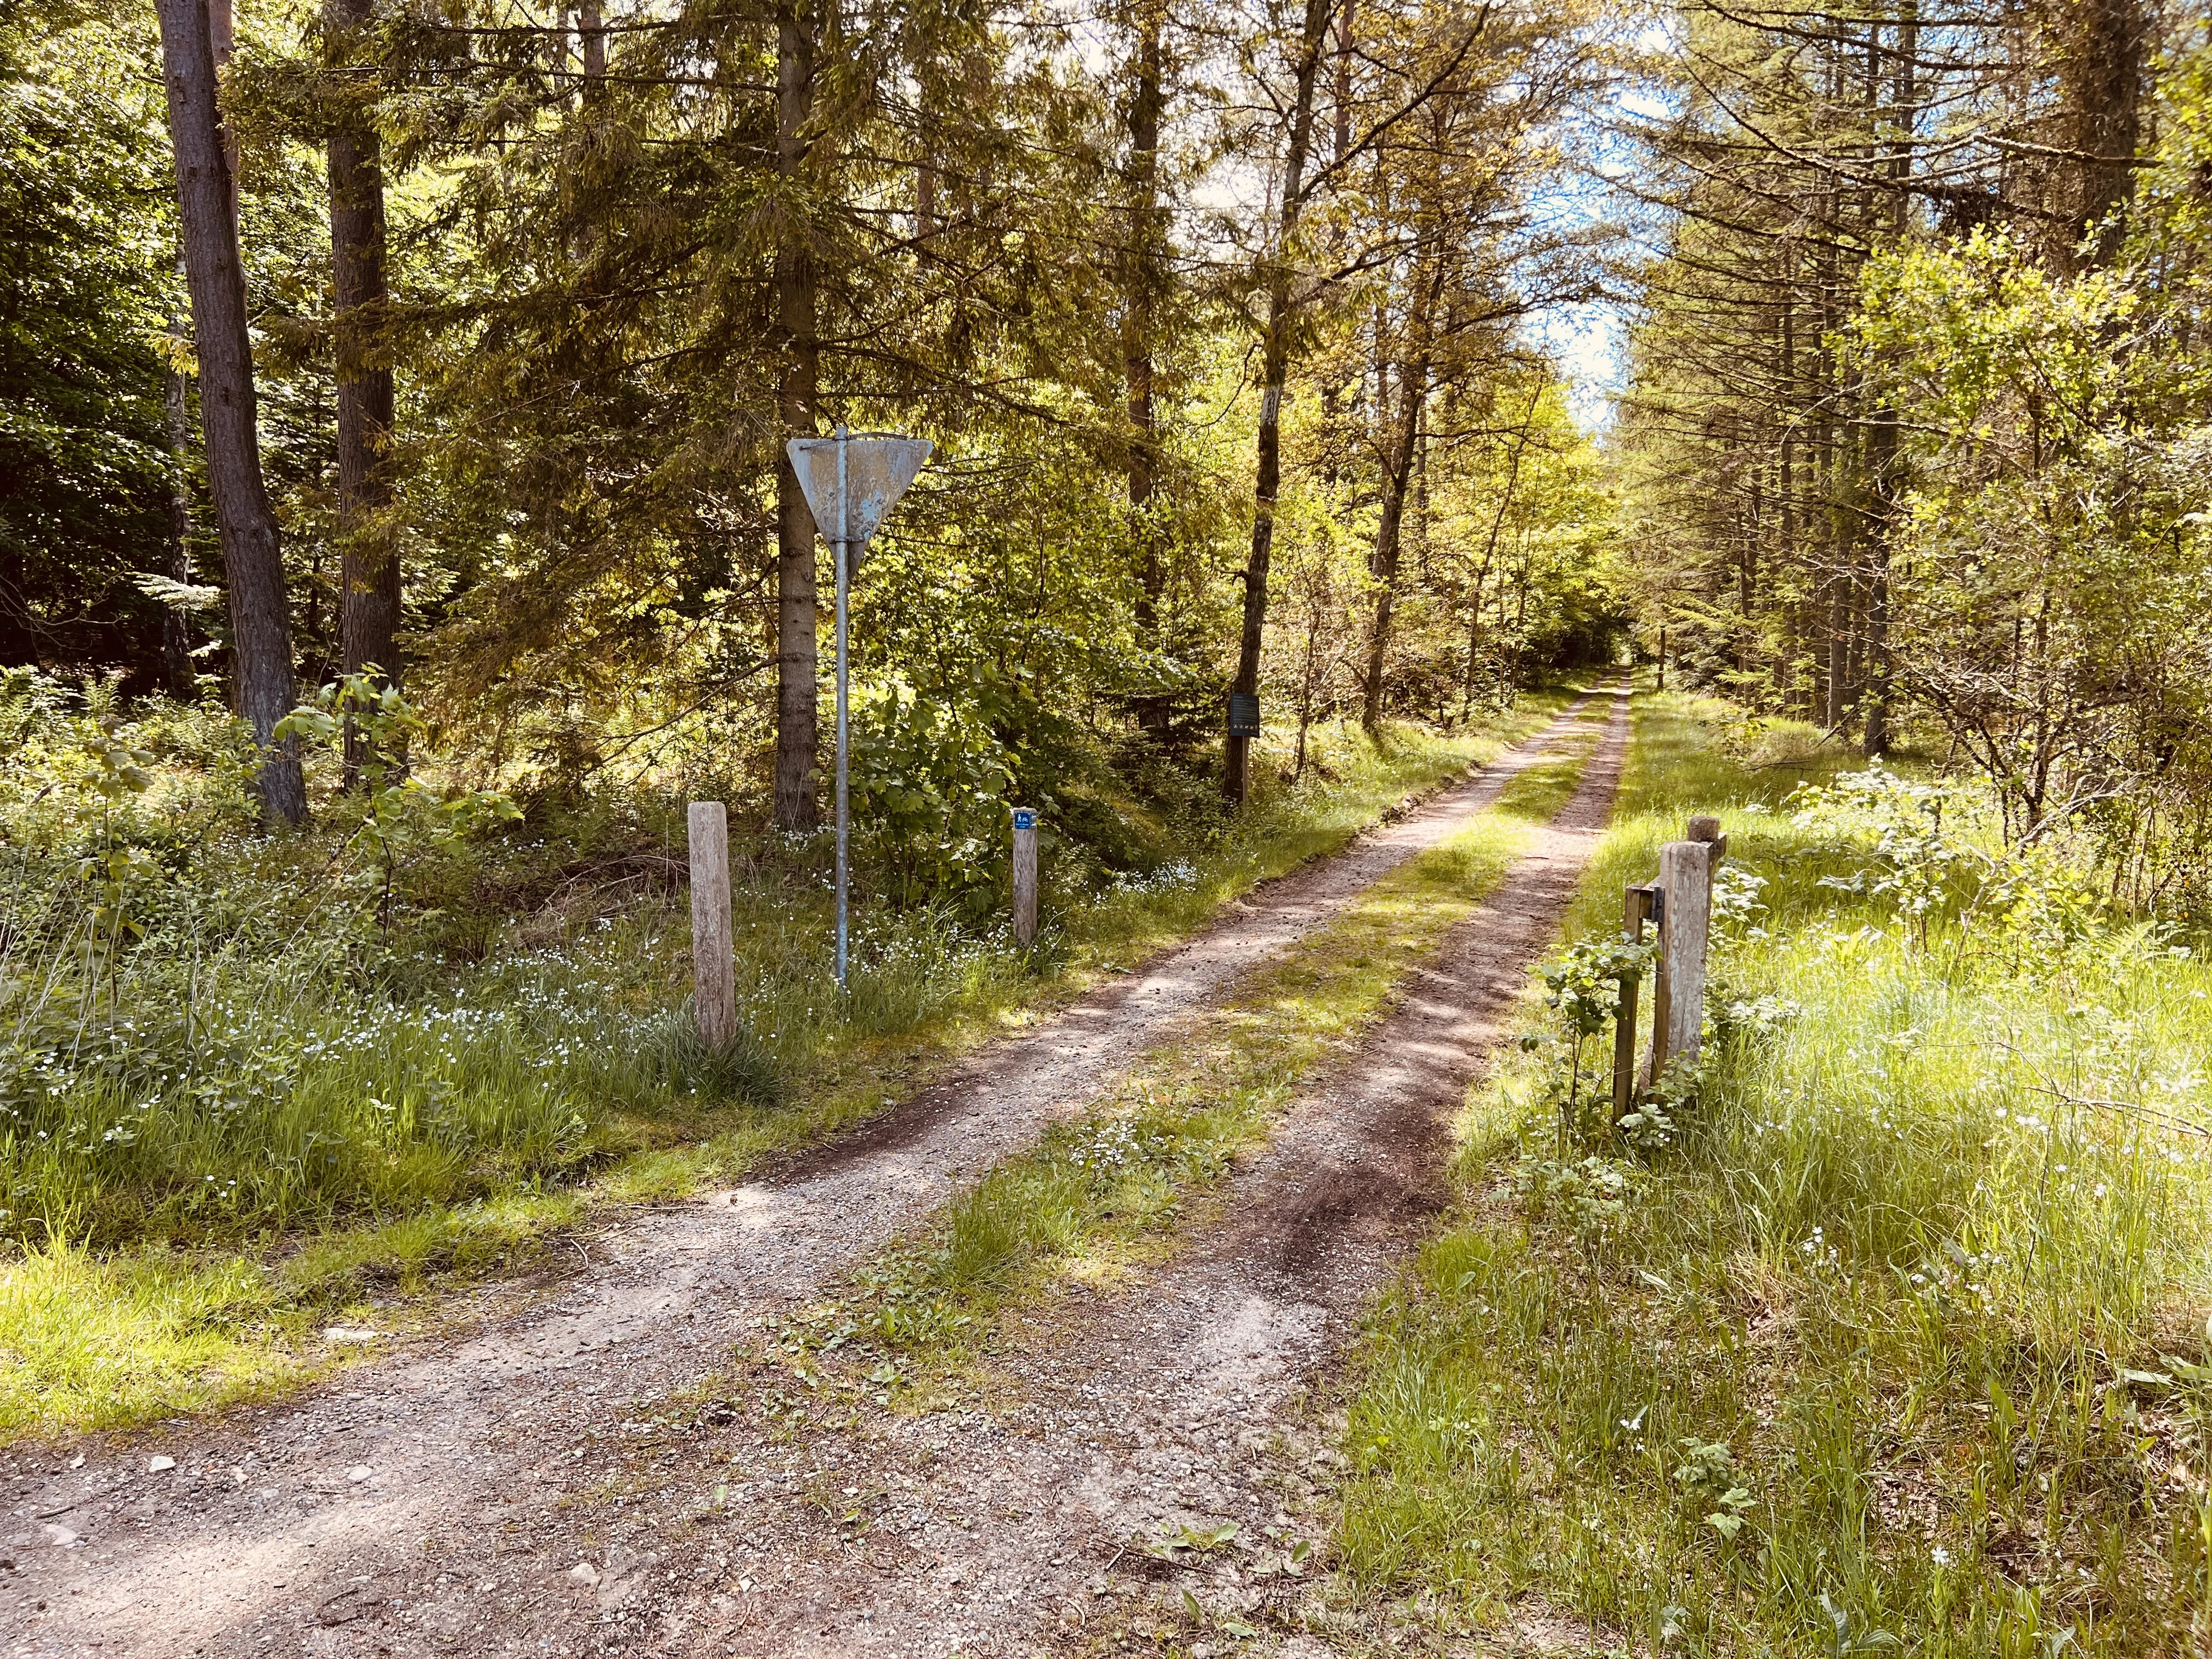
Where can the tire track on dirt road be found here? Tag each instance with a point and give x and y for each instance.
(1181, 1398)
(424, 1503)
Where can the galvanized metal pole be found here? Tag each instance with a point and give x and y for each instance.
(844, 564)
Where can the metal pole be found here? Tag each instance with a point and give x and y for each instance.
(844, 561)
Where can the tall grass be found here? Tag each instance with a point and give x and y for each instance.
(1900, 1341)
(225, 1062)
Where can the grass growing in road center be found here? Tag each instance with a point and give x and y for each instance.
(1170, 1130)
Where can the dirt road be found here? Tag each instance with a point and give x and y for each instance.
(542, 1486)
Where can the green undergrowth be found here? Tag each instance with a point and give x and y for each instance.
(1102, 1194)
(218, 1139)
(1888, 1332)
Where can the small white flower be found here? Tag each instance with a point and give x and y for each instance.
(1940, 1556)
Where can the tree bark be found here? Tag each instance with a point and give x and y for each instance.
(2100, 65)
(1397, 476)
(798, 394)
(176, 630)
(1275, 353)
(592, 34)
(253, 561)
(1139, 320)
(1883, 444)
(1343, 90)
(368, 549)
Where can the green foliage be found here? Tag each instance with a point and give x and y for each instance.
(1944, 487)
(1583, 990)
(933, 787)
(398, 819)
(87, 289)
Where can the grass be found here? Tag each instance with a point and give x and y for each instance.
(1898, 1345)
(265, 1113)
(114, 1339)
(1106, 1190)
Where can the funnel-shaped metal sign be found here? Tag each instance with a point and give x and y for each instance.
(877, 469)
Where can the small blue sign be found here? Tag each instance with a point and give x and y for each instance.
(1025, 817)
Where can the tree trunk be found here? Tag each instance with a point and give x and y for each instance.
(1343, 98)
(1275, 353)
(1139, 307)
(176, 628)
(592, 31)
(798, 392)
(1397, 475)
(2100, 65)
(253, 561)
(1883, 435)
(368, 562)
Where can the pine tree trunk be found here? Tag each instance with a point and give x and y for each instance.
(1397, 476)
(253, 561)
(1275, 355)
(176, 630)
(2100, 66)
(368, 556)
(591, 34)
(1883, 437)
(797, 391)
(1143, 285)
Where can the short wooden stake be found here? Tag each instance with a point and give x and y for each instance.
(713, 967)
(1025, 876)
(1686, 883)
(1636, 910)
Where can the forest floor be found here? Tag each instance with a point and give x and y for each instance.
(661, 1452)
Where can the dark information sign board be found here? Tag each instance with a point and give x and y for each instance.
(1243, 714)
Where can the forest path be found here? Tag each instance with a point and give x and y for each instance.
(434, 1502)
(1165, 1407)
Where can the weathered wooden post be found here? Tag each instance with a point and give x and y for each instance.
(713, 967)
(1636, 910)
(1025, 876)
(1686, 898)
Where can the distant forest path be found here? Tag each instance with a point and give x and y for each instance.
(497, 1491)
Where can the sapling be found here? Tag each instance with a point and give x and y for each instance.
(1585, 993)
(401, 817)
(117, 868)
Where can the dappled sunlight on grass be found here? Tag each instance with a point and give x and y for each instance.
(1897, 1336)
(88, 1343)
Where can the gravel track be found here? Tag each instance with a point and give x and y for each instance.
(1193, 1398)
(437, 1501)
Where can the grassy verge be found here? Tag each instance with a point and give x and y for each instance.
(1897, 1342)
(1102, 1194)
(245, 1152)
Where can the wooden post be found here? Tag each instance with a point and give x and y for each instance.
(713, 968)
(1025, 876)
(1686, 885)
(1636, 910)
